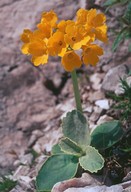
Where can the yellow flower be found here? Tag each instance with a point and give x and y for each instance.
(63, 38)
(76, 36)
(101, 33)
(81, 16)
(56, 44)
(61, 26)
(49, 17)
(45, 29)
(90, 54)
(71, 61)
(93, 22)
(97, 24)
(40, 60)
(37, 48)
(25, 37)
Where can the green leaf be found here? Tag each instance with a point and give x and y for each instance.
(129, 49)
(7, 184)
(121, 35)
(69, 147)
(75, 127)
(56, 150)
(92, 161)
(106, 135)
(127, 15)
(56, 168)
(110, 2)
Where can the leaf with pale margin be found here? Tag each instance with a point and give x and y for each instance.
(92, 161)
(55, 169)
(70, 147)
(56, 150)
(106, 135)
(75, 127)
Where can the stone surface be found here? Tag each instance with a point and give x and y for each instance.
(103, 103)
(27, 94)
(119, 90)
(85, 180)
(88, 183)
(112, 78)
(96, 189)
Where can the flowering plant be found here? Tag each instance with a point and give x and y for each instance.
(64, 39)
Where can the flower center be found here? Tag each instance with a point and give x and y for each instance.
(73, 38)
(60, 43)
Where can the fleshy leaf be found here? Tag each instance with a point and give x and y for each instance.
(106, 135)
(75, 127)
(92, 161)
(69, 147)
(56, 150)
(56, 168)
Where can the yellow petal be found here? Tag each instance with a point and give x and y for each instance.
(91, 58)
(40, 60)
(99, 20)
(37, 48)
(56, 44)
(25, 36)
(50, 17)
(101, 33)
(25, 48)
(91, 53)
(71, 61)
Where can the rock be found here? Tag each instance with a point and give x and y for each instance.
(89, 183)
(127, 177)
(119, 90)
(95, 95)
(24, 183)
(26, 159)
(26, 102)
(96, 189)
(22, 170)
(103, 119)
(96, 79)
(46, 142)
(12, 146)
(103, 103)
(85, 180)
(96, 114)
(112, 78)
(87, 108)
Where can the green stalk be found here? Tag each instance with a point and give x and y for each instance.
(76, 91)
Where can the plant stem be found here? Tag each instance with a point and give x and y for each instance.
(76, 91)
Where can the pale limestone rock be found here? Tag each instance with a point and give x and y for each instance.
(25, 102)
(119, 90)
(96, 189)
(96, 95)
(83, 181)
(103, 103)
(22, 170)
(112, 78)
(103, 119)
(96, 79)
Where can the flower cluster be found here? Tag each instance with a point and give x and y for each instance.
(65, 38)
